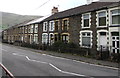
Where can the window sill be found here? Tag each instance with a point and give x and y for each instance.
(101, 27)
(85, 27)
(85, 47)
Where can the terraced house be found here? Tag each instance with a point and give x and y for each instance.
(95, 26)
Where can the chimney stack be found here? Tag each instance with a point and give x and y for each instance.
(54, 10)
(89, 1)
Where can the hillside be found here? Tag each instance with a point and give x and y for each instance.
(9, 19)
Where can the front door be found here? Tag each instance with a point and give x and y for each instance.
(115, 42)
(103, 41)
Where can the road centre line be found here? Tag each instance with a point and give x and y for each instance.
(4, 50)
(36, 60)
(65, 71)
(53, 66)
(82, 62)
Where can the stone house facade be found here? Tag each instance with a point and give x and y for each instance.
(95, 26)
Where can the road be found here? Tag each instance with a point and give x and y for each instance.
(22, 62)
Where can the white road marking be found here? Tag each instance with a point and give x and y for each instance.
(36, 60)
(83, 62)
(4, 50)
(55, 57)
(65, 71)
(18, 54)
(27, 57)
(53, 66)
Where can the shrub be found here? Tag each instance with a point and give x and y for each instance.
(67, 48)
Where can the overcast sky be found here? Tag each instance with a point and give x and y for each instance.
(32, 7)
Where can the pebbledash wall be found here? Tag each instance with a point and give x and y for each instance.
(93, 26)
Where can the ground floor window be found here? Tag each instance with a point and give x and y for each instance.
(86, 39)
(65, 38)
(51, 38)
(56, 37)
(36, 38)
(44, 38)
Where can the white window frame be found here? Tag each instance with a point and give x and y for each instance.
(83, 20)
(110, 16)
(36, 38)
(45, 24)
(86, 31)
(36, 28)
(51, 41)
(31, 28)
(51, 27)
(97, 20)
(46, 38)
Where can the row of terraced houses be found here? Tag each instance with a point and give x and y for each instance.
(94, 26)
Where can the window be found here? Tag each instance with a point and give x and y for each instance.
(56, 25)
(51, 26)
(36, 38)
(86, 20)
(102, 18)
(51, 38)
(36, 28)
(115, 17)
(26, 29)
(44, 38)
(65, 38)
(31, 29)
(45, 26)
(56, 37)
(65, 25)
(86, 39)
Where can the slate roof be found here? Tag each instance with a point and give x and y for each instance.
(81, 9)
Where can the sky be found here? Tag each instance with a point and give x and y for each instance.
(33, 7)
(39, 7)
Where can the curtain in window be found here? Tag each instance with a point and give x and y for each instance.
(116, 19)
(86, 41)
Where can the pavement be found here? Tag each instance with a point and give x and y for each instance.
(22, 61)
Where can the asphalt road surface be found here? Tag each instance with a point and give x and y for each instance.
(21, 62)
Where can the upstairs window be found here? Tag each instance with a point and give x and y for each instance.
(56, 25)
(65, 25)
(31, 29)
(36, 28)
(45, 26)
(51, 26)
(102, 18)
(115, 17)
(86, 20)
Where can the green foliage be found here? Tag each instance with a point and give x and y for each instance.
(67, 48)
